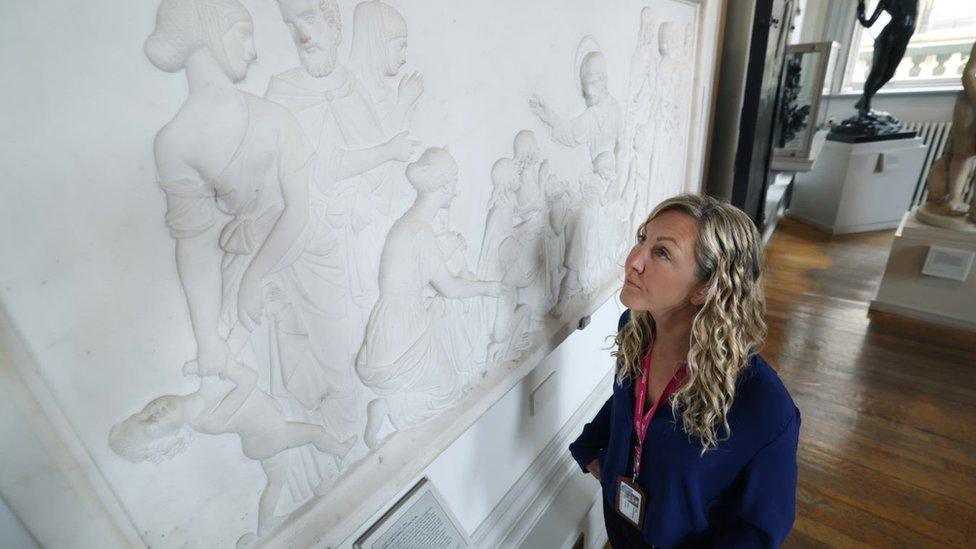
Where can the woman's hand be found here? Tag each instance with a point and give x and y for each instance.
(594, 468)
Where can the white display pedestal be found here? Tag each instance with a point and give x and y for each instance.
(857, 187)
(906, 291)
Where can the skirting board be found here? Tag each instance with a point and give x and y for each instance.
(829, 229)
(533, 493)
(927, 316)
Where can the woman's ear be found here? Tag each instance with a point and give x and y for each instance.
(698, 296)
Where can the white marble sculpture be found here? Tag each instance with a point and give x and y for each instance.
(406, 358)
(639, 100)
(227, 152)
(159, 430)
(562, 198)
(668, 115)
(224, 151)
(950, 173)
(531, 228)
(598, 126)
(332, 302)
(355, 197)
(379, 48)
(593, 234)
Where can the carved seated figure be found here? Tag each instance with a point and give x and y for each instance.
(161, 429)
(948, 176)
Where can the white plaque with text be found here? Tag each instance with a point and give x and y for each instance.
(419, 519)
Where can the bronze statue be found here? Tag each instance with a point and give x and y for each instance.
(889, 46)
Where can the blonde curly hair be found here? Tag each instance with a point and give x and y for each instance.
(727, 330)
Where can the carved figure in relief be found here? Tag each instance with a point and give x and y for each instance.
(406, 358)
(640, 92)
(562, 198)
(502, 208)
(496, 259)
(590, 240)
(513, 322)
(533, 171)
(598, 126)
(353, 168)
(236, 406)
(379, 51)
(532, 209)
(355, 198)
(669, 116)
(227, 151)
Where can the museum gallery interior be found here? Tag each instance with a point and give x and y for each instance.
(342, 273)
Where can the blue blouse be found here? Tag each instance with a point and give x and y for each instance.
(741, 493)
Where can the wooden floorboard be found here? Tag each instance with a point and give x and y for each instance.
(887, 454)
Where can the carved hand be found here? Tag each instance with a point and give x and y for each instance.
(410, 89)
(209, 362)
(400, 147)
(539, 108)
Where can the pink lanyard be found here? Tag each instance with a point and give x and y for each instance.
(643, 421)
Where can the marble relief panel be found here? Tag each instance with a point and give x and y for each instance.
(319, 218)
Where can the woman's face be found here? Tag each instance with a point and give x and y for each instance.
(660, 273)
(239, 48)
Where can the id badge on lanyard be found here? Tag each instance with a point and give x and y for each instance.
(631, 499)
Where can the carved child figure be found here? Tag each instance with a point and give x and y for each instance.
(589, 239)
(161, 429)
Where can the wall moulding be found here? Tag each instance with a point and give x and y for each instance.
(286, 252)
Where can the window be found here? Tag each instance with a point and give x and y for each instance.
(936, 54)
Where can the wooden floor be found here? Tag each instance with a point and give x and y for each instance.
(887, 450)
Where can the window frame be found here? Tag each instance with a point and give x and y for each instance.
(851, 31)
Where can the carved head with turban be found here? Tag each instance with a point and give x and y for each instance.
(223, 27)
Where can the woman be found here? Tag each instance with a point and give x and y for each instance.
(716, 466)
